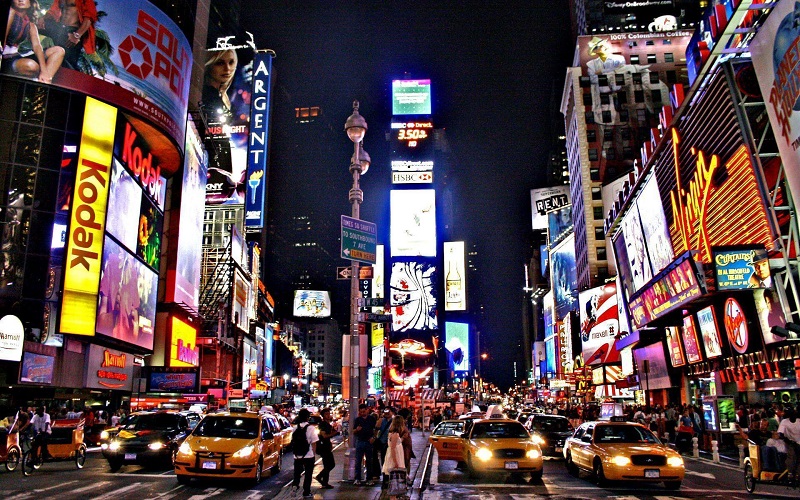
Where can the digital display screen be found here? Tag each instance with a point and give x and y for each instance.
(411, 97)
(654, 226)
(599, 324)
(311, 304)
(457, 345)
(124, 206)
(413, 223)
(564, 277)
(413, 296)
(455, 298)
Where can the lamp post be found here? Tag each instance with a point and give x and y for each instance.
(356, 128)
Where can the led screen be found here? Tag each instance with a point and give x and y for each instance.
(559, 223)
(599, 324)
(564, 277)
(151, 226)
(454, 279)
(311, 304)
(411, 97)
(548, 313)
(126, 308)
(413, 296)
(457, 345)
(412, 142)
(183, 349)
(413, 223)
(709, 332)
(639, 265)
(550, 350)
(690, 342)
(124, 206)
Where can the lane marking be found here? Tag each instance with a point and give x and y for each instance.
(116, 493)
(209, 492)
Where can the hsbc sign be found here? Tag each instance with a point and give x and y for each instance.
(412, 177)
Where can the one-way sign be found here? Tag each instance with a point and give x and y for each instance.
(364, 273)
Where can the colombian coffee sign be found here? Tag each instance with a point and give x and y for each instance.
(12, 336)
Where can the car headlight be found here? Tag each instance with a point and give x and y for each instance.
(245, 452)
(185, 449)
(675, 461)
(534, 453)
(538, 440)
(104, 435)
(484, 454)
(114, 446)
(156, 446)
(620, 461)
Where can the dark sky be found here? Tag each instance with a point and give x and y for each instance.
(493, 68)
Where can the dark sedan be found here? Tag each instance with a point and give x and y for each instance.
(549, 432)
(147, 439)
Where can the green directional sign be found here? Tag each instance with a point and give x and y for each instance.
(359, 240)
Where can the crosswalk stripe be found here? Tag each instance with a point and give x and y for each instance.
(209, 492)
(116, 493)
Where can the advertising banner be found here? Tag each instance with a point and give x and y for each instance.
(183, 349)
(454, 281)
(108, 369)
(657, 376)
(411, 97)
(257, 154)
(36, 368)
(676, 287)
(709, 332)
(311, 304)
(413, 297)
(457, 345)
(769, 308)
(87, 220)
(599, 324)
(180, 380)
(674, 347)
(12, 337)
(690, 342)
(412, 151)
(249, 363)
(742, 268)
(132, 56)
(774, 53)
(546, 200)
(564, 277)
(559, 224)
(413, 223)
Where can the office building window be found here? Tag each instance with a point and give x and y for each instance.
(606, 116)
(651, 58)
(623, 115)
(591, 136)
(592, 154)
(602, 80)
(594, 173)
(637, 78)
(589, 116)
(584, 82)
(625, 133)
(649, 42)
(587, 99)
(620, 79)
(672, 76)
(634, 59)
(638, 96)
(608, 134)
(597, 193)
(654, 78)
(599, 233)
(669, 57)
(602, 255)
(605, 99)
(598, 213)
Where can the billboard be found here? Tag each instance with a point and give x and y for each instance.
(455, 298)
(674, 347)
(378, 277)
(411, 97)
(559, 224)
(108, 369)
(12, 337)
(599, 318)
(774, 53)
(742, 268)
(769, 308)
(413, 297)
(36, 368)
(311, 304)
(258, 143)
(183, 350)
(126, 302)
(457, 345)
(413, 223)
(180, 380)
(657, 376)
(709, 332)
(690, 342)
(564, 277)
(544, 201)
(183, 281)
(87, 220)
(249, 363)
(658, 244)
(132, 56)
(672, 289)
(412, 149)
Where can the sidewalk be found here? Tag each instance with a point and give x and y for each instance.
(346, 489)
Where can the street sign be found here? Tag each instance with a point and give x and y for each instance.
(371, 302)
(374, 318)
(359, 240)
(364, 273)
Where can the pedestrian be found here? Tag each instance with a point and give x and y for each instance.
(789, 431)
(395, 466)
(364, 433)
(380, 444)
(325, 448)
(304, 443)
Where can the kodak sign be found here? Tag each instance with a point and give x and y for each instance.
(87, 220)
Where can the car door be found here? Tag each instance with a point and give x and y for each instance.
(581, 452)
(447, 440)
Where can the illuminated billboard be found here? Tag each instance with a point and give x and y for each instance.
(654, 226)
(599, 324)
(378, 278)
(87, 220)
(126, 305)
(108, 369)
(183, 349)
(132, 56)
(769, 308)
(774, 53)
(36, 368)
(741, 268)
(656, 376)
(256, 189)
(709, 332)
(413, 223)
(564, 277)
(411, 97)
(559, 224)
(457, 345)
(412, 145)
(311, 304)
(455, 296)
(413, 301)
(690, 342)
(674, 347)
(674, 287)
(546, 200)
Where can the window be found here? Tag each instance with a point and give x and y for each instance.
(608, 134)
(594, 173)
(625, 133)
(634, 59)
(597, 194)
(587, 99)
(637, 78)
(627, 153)
(651, 58)
(601, 254)
(592, 154)
(602, 80)
(654, 78)
(669, 57)
(641, 117)
(672, 77)
(638, 96)
(622, 96)
(649, 42)
(591, 136)
(656, 96)
(611, 154)
(584, 82)
(623, 115)
(598, 212)
(589, 116)
(605, 99)
(666, 41)
(607, 117)
(620, 78)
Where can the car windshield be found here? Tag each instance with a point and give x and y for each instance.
(154, 422)
(550, 424)
(499, 430)
(623, 434)
(227, 427)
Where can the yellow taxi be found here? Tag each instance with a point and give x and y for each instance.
(230, 445)
(623, 451)
(501, 445)
(447, 439)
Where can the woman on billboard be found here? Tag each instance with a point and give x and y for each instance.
(23, 52)
(219, 72)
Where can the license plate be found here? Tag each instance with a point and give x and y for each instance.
(651, 473)
(130, 456)
(512, 465)
(209, 465)
(559, 449)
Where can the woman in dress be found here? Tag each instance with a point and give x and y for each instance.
(395, 453)
(22, 50)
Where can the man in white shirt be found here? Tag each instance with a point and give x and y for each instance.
(789, 430)
(304, 463)
(42, 429)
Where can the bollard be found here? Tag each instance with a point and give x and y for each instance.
(741, 456)
(715, 450)
(695, 448)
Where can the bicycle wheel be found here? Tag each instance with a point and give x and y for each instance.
(13, 459)
(29, 463)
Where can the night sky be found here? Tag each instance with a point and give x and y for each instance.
(496, 68)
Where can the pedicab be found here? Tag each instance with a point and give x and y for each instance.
(65, 443)
(10, 450)
(759, 467)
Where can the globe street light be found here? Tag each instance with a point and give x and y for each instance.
(356, 128)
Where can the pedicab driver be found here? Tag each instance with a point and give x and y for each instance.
(42, 430)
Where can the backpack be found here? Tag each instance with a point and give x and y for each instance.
(299, 444)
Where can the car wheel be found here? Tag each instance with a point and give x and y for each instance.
(12, 460)
(471, 472)
(80, 457)
(259, 466)
(182, 479)
(114, 465)
(749, 479)
(571, 467)
(673, 485)
(599, 476)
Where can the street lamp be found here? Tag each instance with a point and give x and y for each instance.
(356, 128)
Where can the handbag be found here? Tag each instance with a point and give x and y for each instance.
(397, 482)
